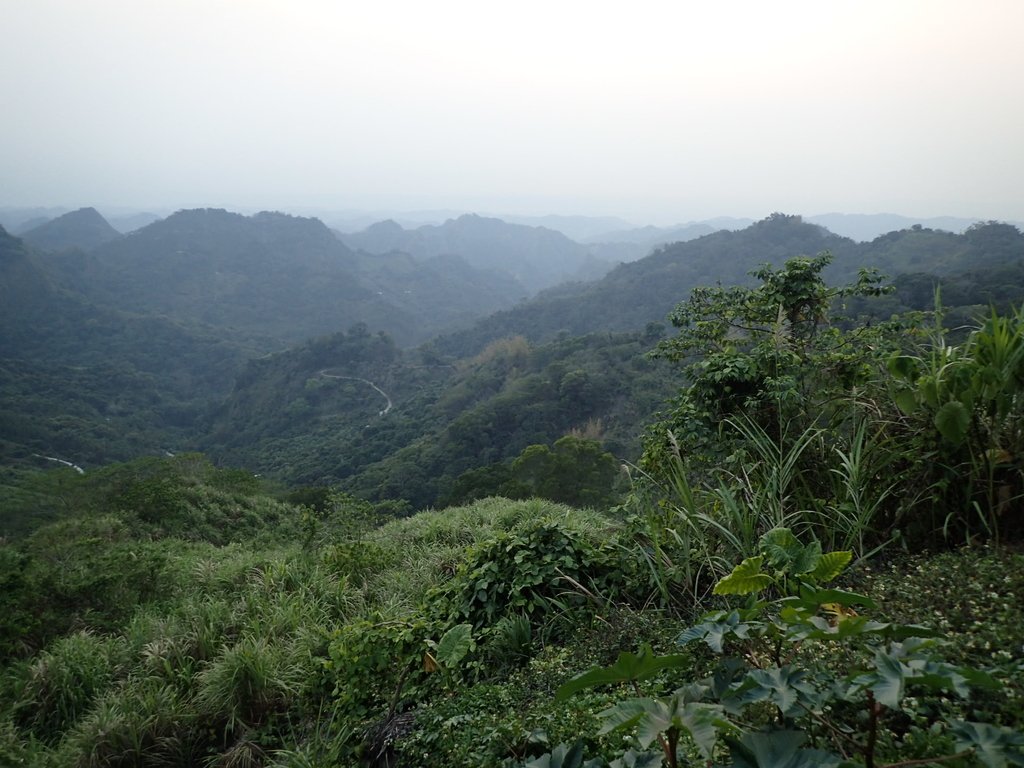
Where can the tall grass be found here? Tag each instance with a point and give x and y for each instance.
(692, 533)
(60, 685)
(863, 484)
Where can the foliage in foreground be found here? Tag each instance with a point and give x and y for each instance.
(804, 679)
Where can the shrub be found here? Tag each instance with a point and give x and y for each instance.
(249, 681)
(536, 572)
(60, 685)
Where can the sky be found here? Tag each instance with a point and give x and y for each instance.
(657, 112)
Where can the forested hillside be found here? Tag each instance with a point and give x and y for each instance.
(645, 291)
(144, 384)
(816, 561)
(93, 384)
(317, 415)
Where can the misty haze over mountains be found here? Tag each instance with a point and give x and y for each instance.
(583, 229)
(213, 330)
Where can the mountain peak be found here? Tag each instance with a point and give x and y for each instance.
(84, 228)
(385, 227)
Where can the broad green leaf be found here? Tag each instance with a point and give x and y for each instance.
(562, 756)
(785, 687)
(887, 682)
(996, 747)
(813, 596)
(979, 678)
(903, 367)
(778, 749)
(928, 388)
(745, 578)
(629, 667)
(818, 628)
(906, 401)
(653, 723)
(653, 717)
(829, 566)
(953, 420)
(454, 645)
(808, 559)
(567, 756)
(626, 714)
(782, 548)
(702, 722)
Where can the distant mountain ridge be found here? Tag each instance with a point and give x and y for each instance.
(84, 228)
(125, 223)
(535, 256)
(865, 227)
(646, 290)
(278, 277)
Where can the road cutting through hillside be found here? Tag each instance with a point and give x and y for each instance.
(384, 394)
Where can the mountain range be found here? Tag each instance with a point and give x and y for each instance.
(276, 277)
(195, 332)
(535, 256)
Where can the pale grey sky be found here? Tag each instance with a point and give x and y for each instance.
(655, 111)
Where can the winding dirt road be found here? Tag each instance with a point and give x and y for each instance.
(387, 408)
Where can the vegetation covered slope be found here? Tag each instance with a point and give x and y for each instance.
(92, 384)
(275, 276)
(173, 613)
(645, 291)
(315, 415)
(85, 229)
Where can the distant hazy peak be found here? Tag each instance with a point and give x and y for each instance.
(85, 228)
(388, 226)
(218, 216)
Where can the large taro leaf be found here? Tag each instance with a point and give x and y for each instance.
(653, 717)
(746, 578)
(830, 565)
(454, 645)
(786, 687)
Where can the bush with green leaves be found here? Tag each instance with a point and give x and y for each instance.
(537, 572)
(785, 420)
(775, 353)
(506, 719)
(779, 697)
(965, 404)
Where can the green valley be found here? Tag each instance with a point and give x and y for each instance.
(740, 502)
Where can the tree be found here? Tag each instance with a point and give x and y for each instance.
(775, 353)
(575, 471)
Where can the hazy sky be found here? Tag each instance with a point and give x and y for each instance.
(655, 111)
